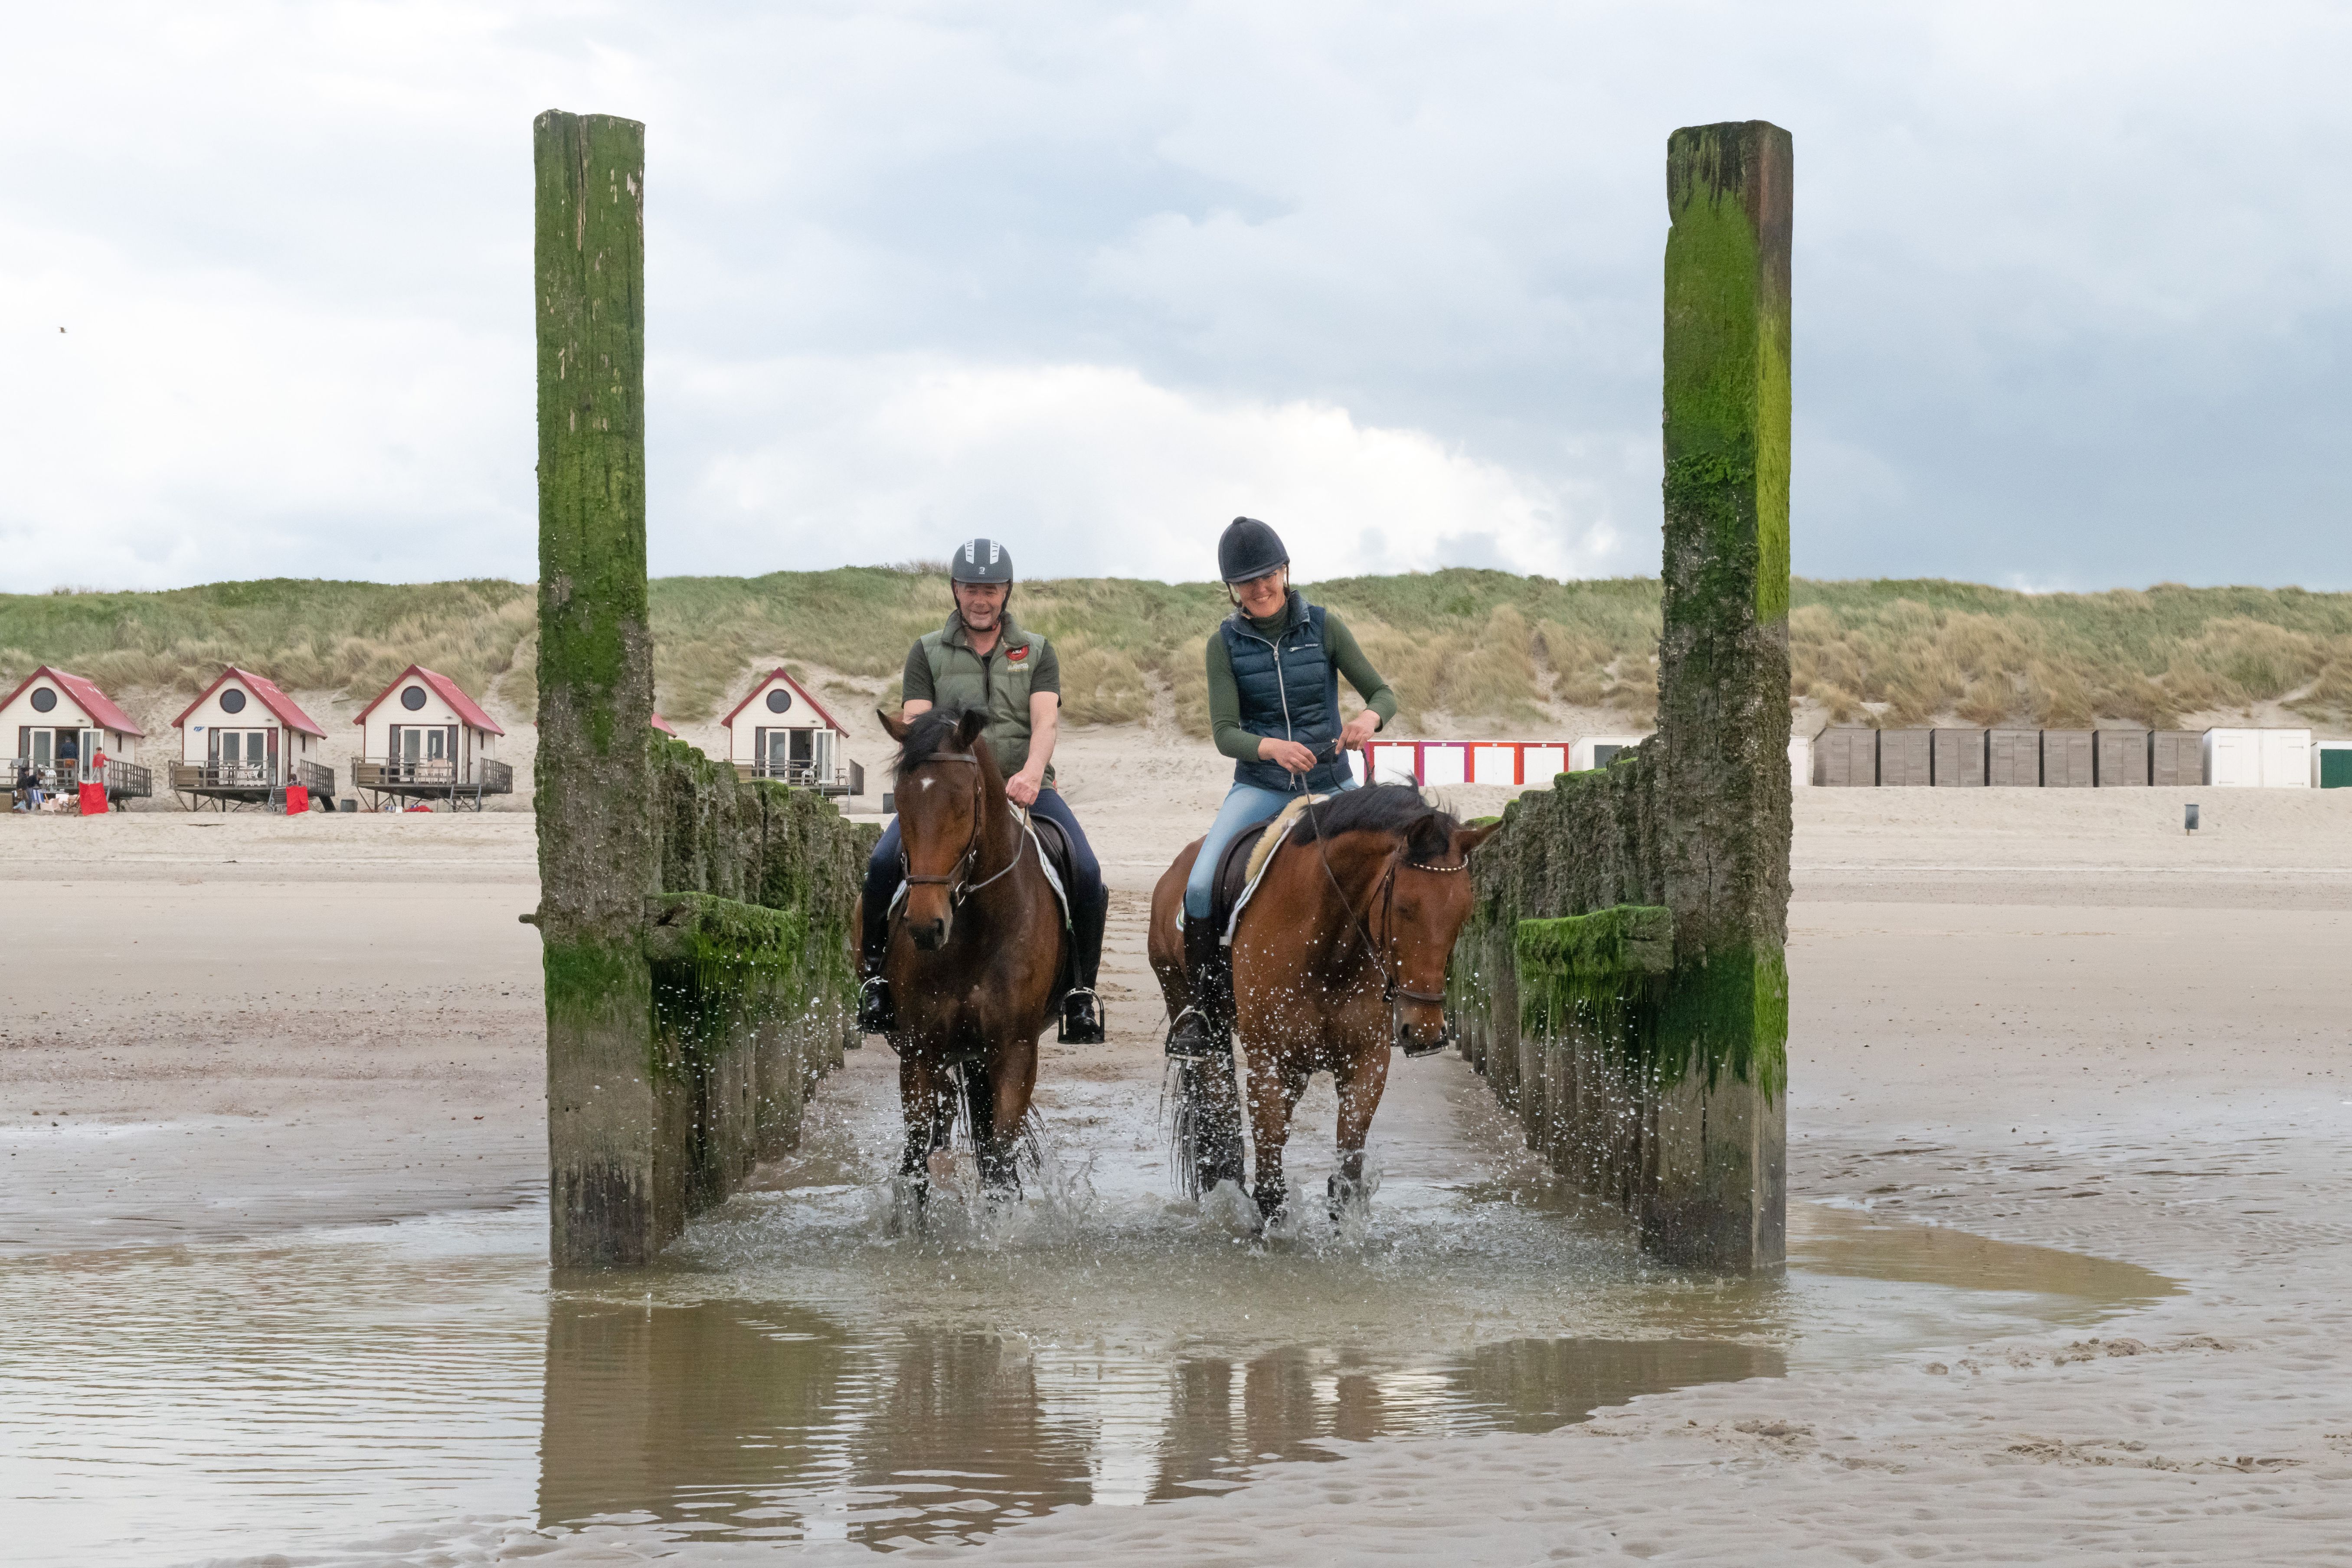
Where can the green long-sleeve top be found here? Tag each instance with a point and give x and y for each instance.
(1225, 697)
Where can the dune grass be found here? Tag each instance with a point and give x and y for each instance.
(1469, 645)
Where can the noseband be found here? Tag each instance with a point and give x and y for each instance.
(958, 892)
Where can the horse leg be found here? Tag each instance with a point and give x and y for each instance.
(1273, 1096)
(1359, 1097)
(921, 1107)
(1001, 1103)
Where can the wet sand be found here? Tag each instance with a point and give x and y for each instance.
(2047, 1017)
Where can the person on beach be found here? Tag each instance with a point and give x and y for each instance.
(1275, 666)
(982, 659)
(28, 789)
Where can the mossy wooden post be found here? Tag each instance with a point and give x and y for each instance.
(611, 1202)
(1719, 1192)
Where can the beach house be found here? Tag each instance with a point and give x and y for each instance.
(72, 734)
(422, 738)
(244, 742)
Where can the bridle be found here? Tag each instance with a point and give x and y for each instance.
(965, 862)
(1392, 988)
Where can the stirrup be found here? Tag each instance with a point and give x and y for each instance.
(874, 1013)
(1082, 1017)
(1191, 1038)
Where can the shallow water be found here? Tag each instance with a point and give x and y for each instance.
(800, 1368)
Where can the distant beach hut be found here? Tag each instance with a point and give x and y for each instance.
(2258, 758)
(2013, 758)
(62, 725)
(780, 731)
(244, 743)
(2068, 759)
(2176, 758)
(1906, 757)
(1959, 759)
(422, 738)
(2121, 758)
(1846, 757)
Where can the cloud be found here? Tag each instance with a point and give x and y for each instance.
(1085, 469)
(2072, 304)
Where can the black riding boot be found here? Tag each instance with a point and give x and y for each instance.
(876, 1012)
(1081, 1010)
(1205, 1027)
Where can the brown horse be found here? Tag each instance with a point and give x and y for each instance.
(975, 944)
(1338, 956)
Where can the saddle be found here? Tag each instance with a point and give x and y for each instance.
(1244, 860)
(1055, 844)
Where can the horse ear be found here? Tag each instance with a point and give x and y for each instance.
(1469, 839)
(898, 728)
(968, 727)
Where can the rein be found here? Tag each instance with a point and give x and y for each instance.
(1390, 989)
(965, 862)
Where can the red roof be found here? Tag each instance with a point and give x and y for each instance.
(667, 728)
(275, 701)
(468, 709)
(95, 703)
(762, 684)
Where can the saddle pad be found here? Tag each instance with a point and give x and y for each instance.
(1270, 836)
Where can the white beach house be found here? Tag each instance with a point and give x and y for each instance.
(243, 741)
(422, 738)
(62, 725)
(780, 731)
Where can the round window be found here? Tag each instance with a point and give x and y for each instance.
(44, 700)
(232, 701)
(779, 700)
(413, 698)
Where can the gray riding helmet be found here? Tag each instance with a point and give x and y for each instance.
(1249, 548)
(980, 561)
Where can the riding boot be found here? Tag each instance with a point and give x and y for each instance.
(1204, 1027)
(1081, 1010)
(876, 1012)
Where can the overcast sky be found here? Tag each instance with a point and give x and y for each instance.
(2074, 284)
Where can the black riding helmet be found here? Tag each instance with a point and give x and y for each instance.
(980, 561)
(1249, 548)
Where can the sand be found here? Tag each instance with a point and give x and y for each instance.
(2044, 1017)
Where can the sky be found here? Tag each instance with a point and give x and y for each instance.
(2073, 283)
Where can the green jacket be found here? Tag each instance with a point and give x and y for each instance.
(1020, 664)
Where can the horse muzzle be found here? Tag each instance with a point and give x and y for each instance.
(930, 935)
(1422, 1031)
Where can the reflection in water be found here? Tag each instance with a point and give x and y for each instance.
(732, 1420)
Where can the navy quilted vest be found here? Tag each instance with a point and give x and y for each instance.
(1290, 690)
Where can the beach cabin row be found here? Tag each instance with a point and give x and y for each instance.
(1855, 758)
(69, 734)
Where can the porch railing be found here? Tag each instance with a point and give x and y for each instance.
(123, 780)
(845, 779)
(485, 777)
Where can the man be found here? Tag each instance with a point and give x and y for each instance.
(981, 659)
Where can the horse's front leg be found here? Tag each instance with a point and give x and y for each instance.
(1012, 1082)
(925, 1112)
(1361, 1085)
(1276, 1082)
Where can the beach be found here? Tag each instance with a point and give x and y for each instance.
(2044, 1017)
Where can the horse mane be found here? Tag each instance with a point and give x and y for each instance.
(928, 733)
(1396, 808)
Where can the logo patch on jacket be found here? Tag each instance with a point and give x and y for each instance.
(1017, 654)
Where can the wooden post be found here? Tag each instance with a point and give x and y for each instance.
(1720, 1194)
(612, 1202)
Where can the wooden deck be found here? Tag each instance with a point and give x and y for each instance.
(403, 780)
(233, 786)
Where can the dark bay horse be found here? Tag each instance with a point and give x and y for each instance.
(975, 944)
(1338, 956)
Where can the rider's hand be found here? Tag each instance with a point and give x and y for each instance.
(1286, 754)
(1360, 728)
(1022, 786)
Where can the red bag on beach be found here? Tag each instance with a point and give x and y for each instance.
(298, 798)
(93, 799)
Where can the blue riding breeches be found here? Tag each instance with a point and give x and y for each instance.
(1244, 804)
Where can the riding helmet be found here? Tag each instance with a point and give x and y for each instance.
(980, 561)
(1249, 548)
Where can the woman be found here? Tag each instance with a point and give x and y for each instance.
(1274, 707)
